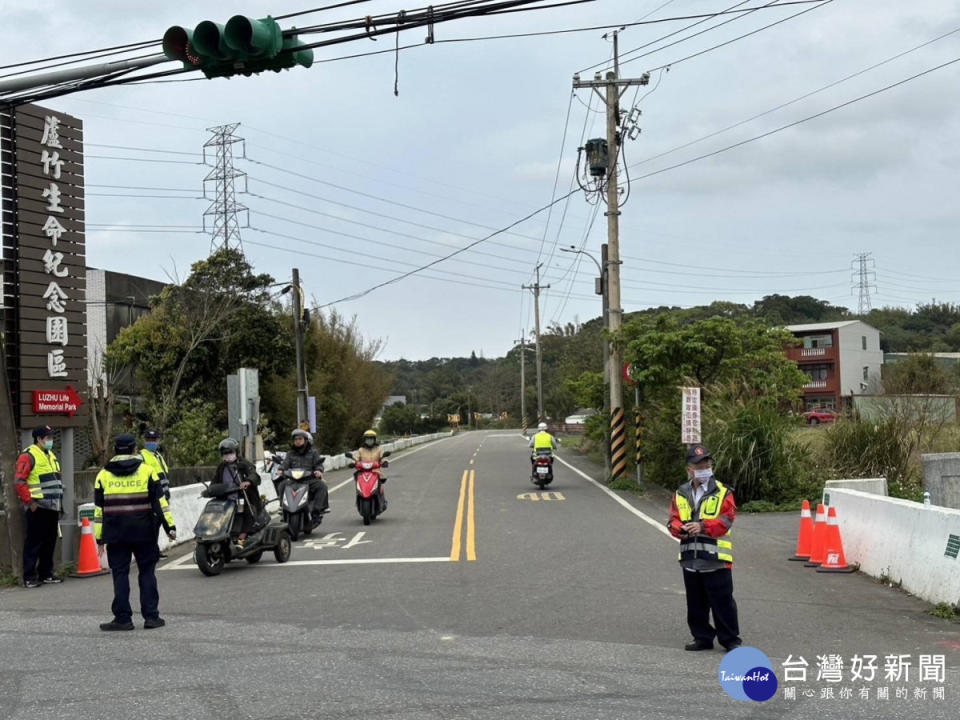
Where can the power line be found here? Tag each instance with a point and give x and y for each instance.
(797, 99)
(802, 120)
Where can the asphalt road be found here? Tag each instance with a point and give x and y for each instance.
(474, 596)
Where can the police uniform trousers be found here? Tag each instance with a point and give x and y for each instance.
(39, 543)
(146, 553)
(712, 591)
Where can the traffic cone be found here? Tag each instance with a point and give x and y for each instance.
(88, 563)
(819, 538)
(834, 561)
(805, 536)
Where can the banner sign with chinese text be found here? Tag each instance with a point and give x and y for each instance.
(690, 433)
(43, 227)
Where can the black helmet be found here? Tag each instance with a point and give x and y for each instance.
(229, 445)
(308, 438)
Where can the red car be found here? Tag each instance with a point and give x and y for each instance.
(815, 416)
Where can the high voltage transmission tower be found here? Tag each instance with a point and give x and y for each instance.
(224, 211)
(863, 279)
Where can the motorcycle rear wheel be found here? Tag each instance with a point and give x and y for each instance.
(366, 510)
(255, 557)
(283, 549)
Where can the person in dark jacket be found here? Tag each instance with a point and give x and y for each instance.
(235, 473)
(128, 498)
(303, 456)
(701, 515)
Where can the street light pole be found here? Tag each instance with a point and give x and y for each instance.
(602, 291)
(298, 338)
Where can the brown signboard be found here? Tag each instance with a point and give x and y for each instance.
(41, 160)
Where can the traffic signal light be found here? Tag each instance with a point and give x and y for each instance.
(243, 46)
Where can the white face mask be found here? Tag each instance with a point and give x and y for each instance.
(230, 457)
(703, 475)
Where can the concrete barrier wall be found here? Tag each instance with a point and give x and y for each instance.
(906, 542)
(186, 502)
(941, 478)
(874, 486)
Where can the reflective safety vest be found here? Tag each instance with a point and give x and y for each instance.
(704, 546)
(44, 481)
(127, 513)
(543, 441)
(155, 461)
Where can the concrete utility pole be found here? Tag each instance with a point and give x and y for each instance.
(536, 312)
(298, 338)
(614, 88)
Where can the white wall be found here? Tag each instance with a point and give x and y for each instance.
(96, 323)
(853, 358)
(900, 540)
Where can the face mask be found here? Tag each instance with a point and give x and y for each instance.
(702, 475)
(151, 446)
(48, 445)
(369, 442)
(230, 457)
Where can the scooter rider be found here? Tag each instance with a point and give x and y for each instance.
(370, 451)
(542, 442)
(303, 456)
(236, 473)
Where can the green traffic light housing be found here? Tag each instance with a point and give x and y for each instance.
(244, 46)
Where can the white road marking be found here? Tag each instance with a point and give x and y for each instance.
(643, 516)
(345, 561)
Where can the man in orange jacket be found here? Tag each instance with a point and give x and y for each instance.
(701, 515)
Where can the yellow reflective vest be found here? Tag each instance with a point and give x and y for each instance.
(696, 549)
(127, 502)
(543, 441)
(159, 466)
(44, 481)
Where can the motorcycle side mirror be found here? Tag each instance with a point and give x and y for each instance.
(387, 453)
(348, 455)
(351, 465)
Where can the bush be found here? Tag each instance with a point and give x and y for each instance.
(194, 438)
(755, 453)
(858, 449)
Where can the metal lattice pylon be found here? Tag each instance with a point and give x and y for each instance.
(863, 279)
(224, 211)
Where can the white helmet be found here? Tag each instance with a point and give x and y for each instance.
(542, 426)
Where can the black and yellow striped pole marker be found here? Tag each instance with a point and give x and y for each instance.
(618, 444)
(638, 430)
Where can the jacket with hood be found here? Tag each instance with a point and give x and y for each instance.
(304, 458)
(128, 500)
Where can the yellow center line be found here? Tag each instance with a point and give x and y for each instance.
(471, 525)
(458, 525)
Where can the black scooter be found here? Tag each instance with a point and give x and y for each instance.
(220, 525)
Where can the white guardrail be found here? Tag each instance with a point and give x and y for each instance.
(186, 503)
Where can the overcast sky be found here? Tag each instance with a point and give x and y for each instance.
(370, 185)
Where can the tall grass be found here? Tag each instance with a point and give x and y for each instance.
(886, 448)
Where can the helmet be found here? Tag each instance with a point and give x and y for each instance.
(151, 435)
(229, 445)
(370, 438)
(307, 437)
(370, 433)
(542, 426)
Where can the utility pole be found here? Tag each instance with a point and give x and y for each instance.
(536, 288)
(614, 88)
(298, 339)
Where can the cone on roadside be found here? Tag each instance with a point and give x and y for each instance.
(835, 561)
(88, 562)
(805, 535)
(819, 538)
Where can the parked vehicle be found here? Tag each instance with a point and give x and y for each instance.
(220, 526)
(542, 474)
(369, 483)
(815, 416)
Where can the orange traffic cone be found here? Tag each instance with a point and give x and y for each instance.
(805, 536)
(834, 562)
(88, 563)
(819, 538)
